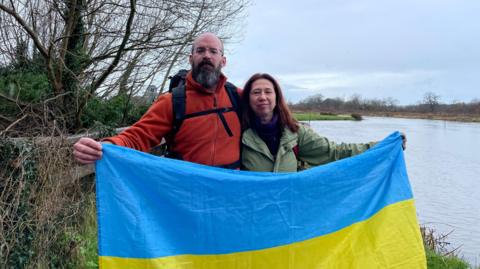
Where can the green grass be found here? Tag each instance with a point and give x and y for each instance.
(437, 261)
(309, 116)
(88, 256)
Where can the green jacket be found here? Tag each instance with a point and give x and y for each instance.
(312, 149)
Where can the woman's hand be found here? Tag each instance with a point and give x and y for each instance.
(404, 140)
(87, 150)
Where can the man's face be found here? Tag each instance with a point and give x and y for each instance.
(207, 60)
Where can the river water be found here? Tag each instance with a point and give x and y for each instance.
(443, 163)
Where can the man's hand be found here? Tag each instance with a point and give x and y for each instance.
(87, 150)
(404, 140)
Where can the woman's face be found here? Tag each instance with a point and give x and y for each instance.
(263, 98)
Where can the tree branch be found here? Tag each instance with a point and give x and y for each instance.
(13, 100)
(29, 30)
(116, 60)
(38, 44)
(182, 47)
(6, 118)
(13, 124)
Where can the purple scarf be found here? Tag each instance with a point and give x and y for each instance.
(270, 133)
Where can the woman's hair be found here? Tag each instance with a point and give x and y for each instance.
(281, 109)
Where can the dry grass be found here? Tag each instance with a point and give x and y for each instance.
(440, 254)
(437, 242)
(41, 199)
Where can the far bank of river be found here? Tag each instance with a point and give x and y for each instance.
(309, 116)
(427, 116)
(443, 166)
(314, 115)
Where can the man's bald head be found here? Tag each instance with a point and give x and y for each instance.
(207, 37)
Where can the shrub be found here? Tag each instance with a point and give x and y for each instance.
(357, 116)
(115, 112)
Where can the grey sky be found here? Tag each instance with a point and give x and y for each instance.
(378, 49)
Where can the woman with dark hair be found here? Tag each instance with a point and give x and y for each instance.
(273, 141)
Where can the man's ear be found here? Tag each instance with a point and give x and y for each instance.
(224, 61)
(190, 59)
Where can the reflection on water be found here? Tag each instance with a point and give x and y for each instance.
(443, 162)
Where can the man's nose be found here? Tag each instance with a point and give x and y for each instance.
(207, 54)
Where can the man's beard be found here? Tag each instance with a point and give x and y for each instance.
(206, 77)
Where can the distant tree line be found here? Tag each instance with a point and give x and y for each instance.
(431, 103)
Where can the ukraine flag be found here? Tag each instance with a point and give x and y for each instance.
(161, 213)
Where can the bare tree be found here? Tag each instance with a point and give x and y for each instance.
(98, 47)
(355, 102)
(431, 100)
(391, 103)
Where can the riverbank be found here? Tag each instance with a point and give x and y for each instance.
(438, 256)
(342, 115)
(309, 116)
(439, 261)
(427, 116)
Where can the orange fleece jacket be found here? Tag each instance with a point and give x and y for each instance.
(200, 139)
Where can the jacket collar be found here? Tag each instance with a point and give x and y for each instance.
(193, 85)
(251, 139)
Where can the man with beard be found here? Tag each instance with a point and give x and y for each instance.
(210, 131)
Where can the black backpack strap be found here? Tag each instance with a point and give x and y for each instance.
(178, 110)
(179, 99)
(178, 107)
(234, 98)
(219, 112)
